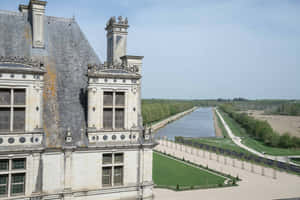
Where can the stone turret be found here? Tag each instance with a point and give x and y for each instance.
(116, 39)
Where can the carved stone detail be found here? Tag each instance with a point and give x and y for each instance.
(113, 21)
(22, 61)
(96, 68)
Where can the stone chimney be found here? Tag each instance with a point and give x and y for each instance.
(36, 15)
(23, 8)
(116, 39)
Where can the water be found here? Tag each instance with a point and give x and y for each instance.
(196, 124)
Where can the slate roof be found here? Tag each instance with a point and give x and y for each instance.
(66, 56)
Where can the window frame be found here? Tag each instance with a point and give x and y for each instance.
(112, 167)
(10, 172)
(114, 107)
(12, 106)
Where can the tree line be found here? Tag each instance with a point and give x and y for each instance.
(154, 110)
(261, 130)
(292, 109)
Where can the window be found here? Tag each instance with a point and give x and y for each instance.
(119, 158)
(120, 99)
(107, 118)
(112, 171)
(119, 118)
(12, 109)
(107, 159)
(3, 185)
(12, 177)
(113, 111)
(118, 175)
(106, 176)
(108, 99)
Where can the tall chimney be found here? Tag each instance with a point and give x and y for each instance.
(116, 39)
(37, 11)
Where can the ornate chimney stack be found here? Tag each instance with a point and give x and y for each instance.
(37, 12)
(116, 39)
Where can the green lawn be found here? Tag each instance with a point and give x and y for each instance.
(296, 160)
(254, 144)
(170, 172)
(224, 143)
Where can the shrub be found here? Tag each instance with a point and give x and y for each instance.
(233, 181)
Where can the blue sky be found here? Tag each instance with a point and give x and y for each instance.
(200, 49)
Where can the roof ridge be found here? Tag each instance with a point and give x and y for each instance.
(8, 12)
(63, 19)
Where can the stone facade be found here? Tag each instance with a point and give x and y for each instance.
(71, 127)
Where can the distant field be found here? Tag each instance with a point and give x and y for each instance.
(169, 172)
(252, 143)
(280, 123)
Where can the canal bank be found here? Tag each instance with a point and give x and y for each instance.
(196, 123)
(170, 119)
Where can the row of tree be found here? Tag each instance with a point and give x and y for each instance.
(261, 130)
(287, 109)
(155, 110)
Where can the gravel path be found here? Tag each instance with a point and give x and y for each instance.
(271, 185)
(218, 130)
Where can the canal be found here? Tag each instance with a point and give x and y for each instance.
(196, 124)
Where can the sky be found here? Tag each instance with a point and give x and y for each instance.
(200, 49)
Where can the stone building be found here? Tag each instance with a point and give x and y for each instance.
(70, 125)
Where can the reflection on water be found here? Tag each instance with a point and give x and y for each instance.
(196, 124)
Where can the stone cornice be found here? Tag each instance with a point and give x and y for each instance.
(114, 75)
(132, 57)
(113, 71)
(12, 64)
(23, 7)
(43, 3)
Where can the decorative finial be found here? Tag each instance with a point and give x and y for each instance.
(68, 135)
(120, 18)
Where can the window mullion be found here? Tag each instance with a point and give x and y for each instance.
(9, 177)
(11, 110)
(113, 109)
(112, 175)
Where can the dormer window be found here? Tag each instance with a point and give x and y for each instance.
(21, 97)
(12, 109)
(113, 110)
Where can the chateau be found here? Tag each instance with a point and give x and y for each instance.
(70, 125)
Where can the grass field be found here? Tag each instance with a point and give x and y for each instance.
(280, 123)
(224, 143)
(296, 160)
(170, 172)
(254, 144)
